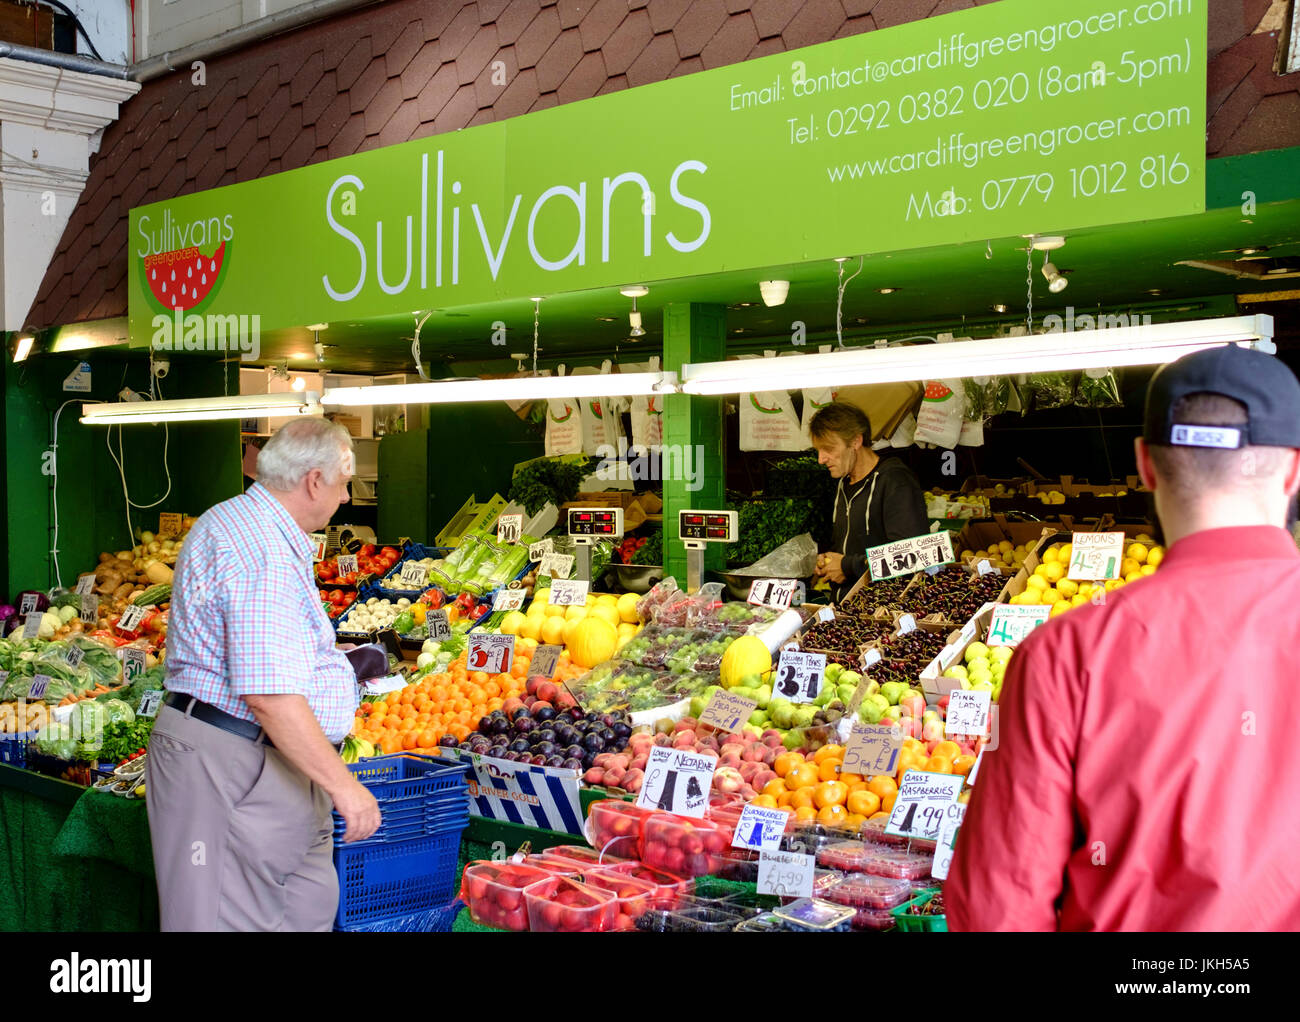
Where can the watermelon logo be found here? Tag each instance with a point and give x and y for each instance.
(595, 410)
(184, 280)
(650, 406)
(568, 412)
(753, 400)
(936, 391)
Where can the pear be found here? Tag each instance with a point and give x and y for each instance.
(763, 697)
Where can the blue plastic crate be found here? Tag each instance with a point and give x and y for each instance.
(401, 826)
(394, 778)
(387, 879)
(435, 920)
(13, 748)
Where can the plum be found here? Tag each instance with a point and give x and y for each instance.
(621, 729)
(593, 743)
(524, 724)
(520, 745)
(572, 763)
(537, 760)
(546, 734)
(546, 749)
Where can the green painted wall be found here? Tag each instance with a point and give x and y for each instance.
(204, 459)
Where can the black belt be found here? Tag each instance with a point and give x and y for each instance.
(210, 714)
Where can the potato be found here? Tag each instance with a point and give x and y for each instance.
(122, 590)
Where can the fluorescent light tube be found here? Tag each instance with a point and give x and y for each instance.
(236, 406)
(518, 389)
(998, 356)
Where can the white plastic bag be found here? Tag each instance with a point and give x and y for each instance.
(905, 435)
(647, 412)
(563, 427)
(942, 411)
(813, 401)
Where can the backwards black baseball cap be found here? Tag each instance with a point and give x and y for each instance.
(1268, 389)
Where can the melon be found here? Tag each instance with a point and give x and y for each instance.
(627, 607)
(745, 659)
(592, 642)
(512, 622)
(608, 613)
(184, 279)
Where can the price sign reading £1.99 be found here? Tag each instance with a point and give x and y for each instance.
(905, 556)
(788, 874)
(799, 676)
(773, 592)
(922, 803)
(491, 653)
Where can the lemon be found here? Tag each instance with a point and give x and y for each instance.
(1064, 556)
(1057, 497)
(1128, 566)
(1051, 554)
(555, 610)
(1155, 555)
(627, 607)
(1031, 598)
(1138, 552)
(1078, 601)
(1053, 572)
(1059, 609)
(1133, 576)
(1086, 589)
(1067, 587)
(1142, 537)
(1036, 581)
(1148, 569)
(1050, 597)
(1006, 546)
(512, 622)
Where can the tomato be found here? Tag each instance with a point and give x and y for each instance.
(336, 596)
(367, 549)
(389, 551)
(327, 570)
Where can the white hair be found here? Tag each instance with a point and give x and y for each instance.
(301, 446)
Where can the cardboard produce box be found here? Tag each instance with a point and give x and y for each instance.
(636, 507)
(885, 404)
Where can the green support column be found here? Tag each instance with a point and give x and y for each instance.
(691, 423)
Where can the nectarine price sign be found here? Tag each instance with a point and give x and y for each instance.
(676, 781)
(728, 711)
(922, 803)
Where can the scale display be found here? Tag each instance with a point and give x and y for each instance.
(708, 526)
(596, 521)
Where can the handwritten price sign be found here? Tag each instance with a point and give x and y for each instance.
(773, 592)
(787, 874)
(947, 841)
(799, 676)
(968, 713)
(728, 711)
(1010, 624)
(760, 829)
(544, 660)
(491, 653)
(509, 528)
(133, 663)
(508, 599)
(435, 621)
(1096, 556)
(85, 585)
(922, 803)
(676, 781)
(414, 575)
(89, 609)
(556, 566)
(567, 593)
(905, 556)
(347, 564)
(149, 703)
(871, 749)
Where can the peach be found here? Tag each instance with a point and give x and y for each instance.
(594, 776)
(730, 759)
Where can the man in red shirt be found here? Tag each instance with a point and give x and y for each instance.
(1147, 772)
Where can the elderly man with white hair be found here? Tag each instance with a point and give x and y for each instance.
(244, 763)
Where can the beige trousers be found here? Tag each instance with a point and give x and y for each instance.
(242, 839)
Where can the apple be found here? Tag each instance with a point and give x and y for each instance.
(932, 730)
(911, 727)
(912, 704)
(955, 671)
(893, 713)
(976, 650)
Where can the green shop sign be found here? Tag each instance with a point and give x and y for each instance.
(1012, 118)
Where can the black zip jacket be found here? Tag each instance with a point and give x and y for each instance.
(884, 506)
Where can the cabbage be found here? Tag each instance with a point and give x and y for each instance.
(119, 712)
(56, 740)
(89, 717)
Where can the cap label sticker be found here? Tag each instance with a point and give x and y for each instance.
(1223, 437)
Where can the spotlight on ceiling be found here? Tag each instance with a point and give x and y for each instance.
(887, 290)
(1055, 282)
(773, 291)
(999, 308)
(634, 291)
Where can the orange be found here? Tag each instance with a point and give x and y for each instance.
(783, 799)
(828, 752)
(428, 738)
(863, 803)
(913, 743)
(963, 765)
(829, 770)
(830, 793)
(805, 814)
(882, 786)
(951, 750)
(887, 805)
(833, 815)
(851, 779)
(408, 724)
(801, 799)
(855, 821)
(776, 788)
(805, 775)
(764, 801)
(939, 765)
(878, 816)
(408, 742)
(391, 744)
(786, 762)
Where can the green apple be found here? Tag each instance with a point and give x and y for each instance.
(981, 686)
(849, 678)
(1001, 653)
(955, 671)
(893, 691)
(792, 740)
(976, 649)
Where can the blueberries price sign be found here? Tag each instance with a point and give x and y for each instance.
(1010, 624)
(799, 676)
(40, 683)
(773, 592)
(540, 549)
(556, 566)
(414, 574)
(947, 841)
(435, 622)
(508, 599)
(922, 803)
(509, 528)
(491, 653)
(28, 604)
(149, 703)
(32, 626)
(85, 585)
(568, 593)
(348, 564)
(318, 543)
(133, 663)
(788, 874)
(1096, 556)
(760, 828)
(905, 556)
(728, 711)
(132, 618)
(544, 660)
(968, 713)
(676, 781)
(871, 749)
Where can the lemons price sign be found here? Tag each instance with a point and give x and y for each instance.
(1010, 624)
(556, 566)
(905, 556)
(922, 803)
(1096, 556)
